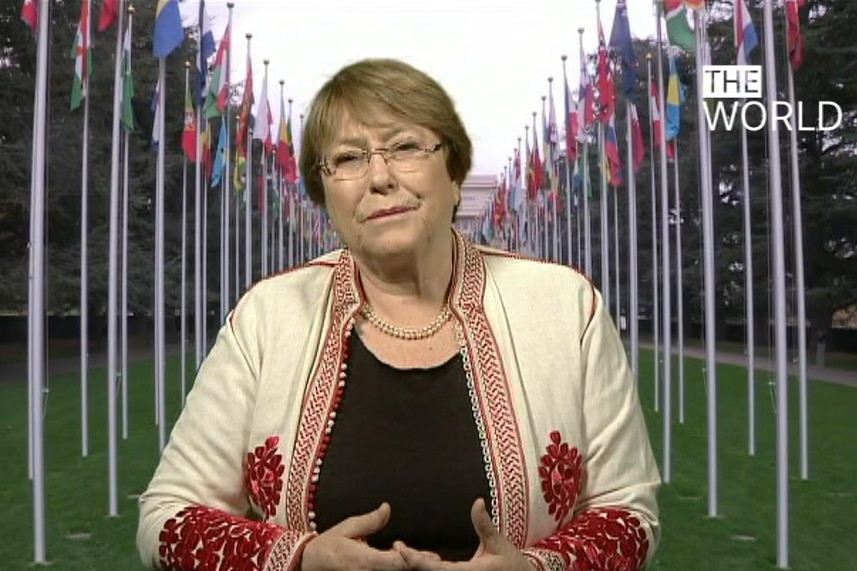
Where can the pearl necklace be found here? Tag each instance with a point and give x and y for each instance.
(407, 333)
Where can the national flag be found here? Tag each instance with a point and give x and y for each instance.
(156, 112)
(244, 116)
(263, 120)
(678, 30)
(695, 4)
(220, 157)
(218, 89)
(585, 102)
(127, 118)
(620, 38)
(168, 34)
(109, 14)
(570, 124)
(82, 54)
(285, 147)
(30, 14)
(656, 120)
(519, 197)
(604, 81)
(672, 106)
(794, 38)
(746, 39)
(189, 133)
(205, 50)
(637, 145)
(611, 153)
(536, 177)
(205, 143)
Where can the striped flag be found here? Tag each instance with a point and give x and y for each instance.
(746, 39)
(205, 51)
(189, 133)
(639, 148)
(672, 105)
(795, 40)
(678, 30)
(109, 14)
(218, 88)
(128, 119)
(82, 54)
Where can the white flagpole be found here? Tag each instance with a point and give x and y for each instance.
(126, 186)
(633, 309)
(779, 285)
(226, 184)
(656, 323)
(568, 186)
(198, 284)
(679, 285)
(204, 292)
(84, 281)
(800, 285)
(604, 204)
(36, 311)
(617, 284)
(160, 359)
(666, 301)
(587, 222)
(707, 191)
(748, 297)
(183, 317)
(248, 200)
(113, 277)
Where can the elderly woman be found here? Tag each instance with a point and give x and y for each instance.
(412, 401)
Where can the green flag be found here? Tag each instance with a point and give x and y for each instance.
(82, 53)
(678, 30)
(127, 117)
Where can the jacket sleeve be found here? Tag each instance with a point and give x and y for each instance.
(193, 513)
(615, 523)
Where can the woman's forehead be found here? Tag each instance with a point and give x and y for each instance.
(378, 127)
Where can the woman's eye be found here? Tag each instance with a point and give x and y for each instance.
(345, 158)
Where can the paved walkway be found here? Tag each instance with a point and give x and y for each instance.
(827, 374)
(18, 371)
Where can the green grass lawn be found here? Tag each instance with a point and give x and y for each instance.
(742, 538)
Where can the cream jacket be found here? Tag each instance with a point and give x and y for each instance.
(566, 452)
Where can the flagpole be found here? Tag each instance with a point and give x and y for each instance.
(749, 307)
(84, 277)
(160, 309)
(617, 271)
(204, 260)
(633, 310)
(248, 198)
(800, 285)
(587, 221)
(226, 195)
(779, 285)
(654, 197)
(679, 287)
(665, 268)
(263, 190)
(569, 138)
(36, 311)
(604, 204)
(183, 318)
(123, 294)
(198, 285)
(113, 278)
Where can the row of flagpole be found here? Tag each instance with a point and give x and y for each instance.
(672, 11)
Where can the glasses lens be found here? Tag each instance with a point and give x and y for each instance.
(348, 164)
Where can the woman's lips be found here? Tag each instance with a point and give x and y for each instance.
(387, 212)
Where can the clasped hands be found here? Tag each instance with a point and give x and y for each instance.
(342, 548)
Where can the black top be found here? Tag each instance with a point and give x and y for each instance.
(407, 437)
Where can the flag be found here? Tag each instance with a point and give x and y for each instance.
(247, 101)
(128, 120)
(604, 81)
(620, 38)
(695, 4)
(220, 158)
(30, 14)
(585, 102)
(678, 30)
(205, 139)
(189, 133)
(672, 105)
(794, 38)
(746, 39)
(263, 120)
(168, 34)
(519, 183)
(639, 149)
(656, 119)
(285, 148)
(218, 88)
(205, 50)
(570, 124)
(109, 14)
(611, 153)
(156, 112)
(82, 54)
(536, 175)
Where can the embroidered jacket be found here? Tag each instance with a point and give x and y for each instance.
(567, 456)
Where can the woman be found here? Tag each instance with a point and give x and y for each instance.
(411, 401)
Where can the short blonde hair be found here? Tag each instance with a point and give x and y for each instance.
(368, 87)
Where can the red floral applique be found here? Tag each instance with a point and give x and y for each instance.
(264, 476)
(211, 540)
(561, 473)
(601, 539)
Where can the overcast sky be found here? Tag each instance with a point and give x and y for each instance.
(492, 56)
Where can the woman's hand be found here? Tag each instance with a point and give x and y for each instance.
(495, 552)
(343, 547)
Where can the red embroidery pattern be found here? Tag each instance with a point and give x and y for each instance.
(263, 477)
(492, 389)
(561, 472)
(211, 540)
(600, 539)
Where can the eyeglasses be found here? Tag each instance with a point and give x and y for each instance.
(352, 164)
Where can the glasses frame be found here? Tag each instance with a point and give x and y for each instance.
(384, 152)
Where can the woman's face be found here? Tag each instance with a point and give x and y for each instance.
(388, 208)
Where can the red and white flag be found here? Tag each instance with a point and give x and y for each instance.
(30, 14)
